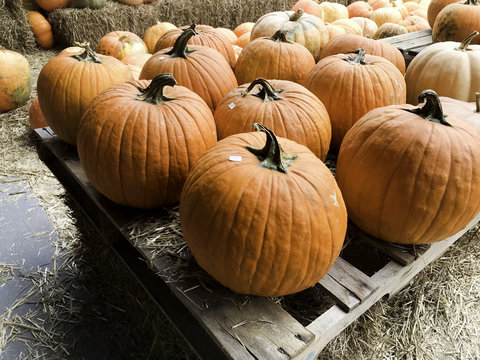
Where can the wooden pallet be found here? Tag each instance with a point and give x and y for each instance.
(220, 324)
(411, 44)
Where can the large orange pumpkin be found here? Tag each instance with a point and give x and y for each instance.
(15, 86)
(349, 42)
(274, 58)
(41, 29)
(305, 29)
(408, 176)
(204, 35)
(67, 84)
(456, 21)
(199, 68)
(351, 85)
(285, 107)
(449, 68)
(262, 217)
(120, 44)
(138, 140)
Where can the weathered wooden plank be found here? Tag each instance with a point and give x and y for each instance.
(345, 299)
(410, 36)
(391, 279)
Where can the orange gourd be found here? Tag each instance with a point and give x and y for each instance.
(270, 223)
(409, 175)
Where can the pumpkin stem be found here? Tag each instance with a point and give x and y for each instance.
(466, 42)
(296, 15)
(153, 93)
(281, 36)
(267, 92)
(356, 60)
(88, 55)
(432, 110)
(471, 2)
(180, 47)
(271, 156)
(477, 102)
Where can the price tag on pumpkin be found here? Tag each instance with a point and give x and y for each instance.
(235, 158)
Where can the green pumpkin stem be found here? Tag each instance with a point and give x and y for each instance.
(180, 48)
(466, 42)
(359, 59)
(88, 55)
(271, 156)
(296, 15)
(153, 93)
(281, 36)
(432, 110)
(267, 92)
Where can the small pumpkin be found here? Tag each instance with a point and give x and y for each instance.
(449, 68)
(67, 84)
(155, 32)
(35, 116)
(387, 30)
(305, 29)
(369, 27)
(120, 44)
(199, 68)
(243, 28)
(87, 4)
(50, 5)
(409, 175)
(350, 85)
(386, 15)
(270, 224)
(456, 21)
(378, 4)
(41, 28)
(15, 86)
(350, 42)
(285, 107)
(311, 7)
(205, 35)
(360, 9)
(243, 40)
(351, 27)
(148, 133)
(274, 58)
(414, 23)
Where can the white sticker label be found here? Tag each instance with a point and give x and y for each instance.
(235, 158)
(231, 106)
(161, 57)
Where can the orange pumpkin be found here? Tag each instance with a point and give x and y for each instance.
(388, 30)
(350, 42)
(434, 7)
(138, 59)
(204, 35)
(386, 15)
(229, 34)
(155, 32)
(410, 176)
(285, 107)
(311, 7)
(243, 39)
(369, 27)
(274, 58)
(414, 23)
(243, 28)
(148, 133)
(120, 44)
(456, 21)
(15, 84)
(227, 207)
(351, 85)
(199, 68)
(360, 9)
(41, 29)
(305, 29)
(67, 84)
(35, 115)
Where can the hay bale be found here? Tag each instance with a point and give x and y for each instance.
(71, 25)
(16, 34)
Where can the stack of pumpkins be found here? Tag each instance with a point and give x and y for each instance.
(259, 210)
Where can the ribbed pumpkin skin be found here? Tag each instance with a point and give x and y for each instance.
(138, 154)
(298, 115)
(66, 86)
(270, 59)
(449, 72)
(41, 29)
(435, 6)
(387, 30)
(407, 180)
(308, 30)
(349, 91)
(121, 44)
(205, 71)
(259, 231)
(349, 42)
(466, 111)
(456, 21)
(15, 86)
(207, 36)
(35, 117)
(369, 27)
